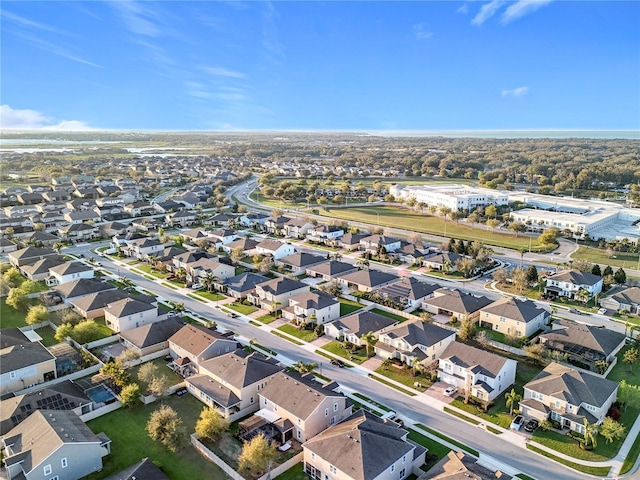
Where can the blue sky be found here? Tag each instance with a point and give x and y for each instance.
(214, 65)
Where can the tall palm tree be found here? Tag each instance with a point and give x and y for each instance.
(512, 398)
(177, 307)
(370, 341)
(209, 280)
(591, 433)
(583, 295)
(58, 246)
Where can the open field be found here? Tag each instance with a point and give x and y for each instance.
(398, 217)
(599, 256)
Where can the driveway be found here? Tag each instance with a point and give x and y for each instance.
(437, 391)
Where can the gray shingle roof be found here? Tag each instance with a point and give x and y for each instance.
(128, 306)
(474, 359)
(417, 332)
(245, 282)
(369, 278)
(241, 369)
(280, 285)
(576, 277)
(152, 333)
(515, 309)
(221, 394)
(571, 385)
(600, 340)
(362, 446)
(145, 470)
(82, 286)
(627, 296)
(360, 323)
(21, 355)
(301, 259)
(457, 301)
(332, 268)
(68, 268)
(407, 288)
(195, 338)
(316, 300)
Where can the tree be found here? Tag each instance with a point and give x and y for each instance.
(482, 338)
(115, 371)
(582, 295)
(630, 357)
(492, 223)
(490, 211)
(601, 366)
(467, 330)
(466, 266)
(159, 385)
(209, 280)
(532, 275)
(611, 430)
(512, 398)
(257, 455)
(177, 307)
(596, 270)
(237, 254)
(130, 395)
(370, 341)
(86, 331)
(63, 331)
(36, 314)
(517, 227)
(590, 433)
(265, 265)
(13, 277)
(536, 351)
(549, 236)
(166, 426)
(147, 372)
(620, 276)
(629, 395)
(128, 355)
(519, 279)
(501, 275)
(58, 246)
(304, 367)
(211, 424)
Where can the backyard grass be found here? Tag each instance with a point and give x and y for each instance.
(241, 308)
(304, 335)
(211, 296)
(596, 255)
(414, 221)
(359, 356)
(596, 471)
(348, 306)
(294, 473)
(624, 371)
(130, 442)
(47, 333)
(390, 315)
(9, 316)
(173, 378)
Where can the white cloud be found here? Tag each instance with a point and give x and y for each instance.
(14, 119)
(137, 18)
(464, 8)
(224, 72)
(516, 92)
(30, 24)
(522, 8)
(420, 31)
(487, 11)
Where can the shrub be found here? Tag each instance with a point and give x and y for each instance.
(614, 413)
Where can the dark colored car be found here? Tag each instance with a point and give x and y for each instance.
(181, 391)
(531, 425)
(337, 363)
(232, 315)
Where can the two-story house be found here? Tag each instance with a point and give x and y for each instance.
(326, 234)
(514, 317)
(374, 243)
(308, 406)
(143, 248)
(297, 227)
(129, 313)
(414, 341)
(362, 447)
(352, 327)
(568, 283)
(274, 248)
(276, 293)
(568, 396)
(312, 307)
(366, 280)
(193, 344)
(68, 272)
(481, 374)
(53, 444)
(151, 338)
(453, 303)
(240, 286)
(232, 382)
(23, 363)
(298, 262)
(197, 271)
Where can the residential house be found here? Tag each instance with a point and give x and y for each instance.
(168, 206)
(82, 216)
(193, 344)
(42, 239)
(40, 270)
(231, 383)
(312, 307)
(351, 241)
(302, 406)
(130, 313)
(240, 286)
(139, 209)
(330, 269)
(183, 260)
(65, 395)
(452, 303)
(222, 236)
(568, 396)
(7, 246)
(409, 292)
(414, 341)
(181, 219)
(352, 327)
(93, 304)
(625, 299)
(29, 255)
(297, 263)
(458, 466)
(582, 344)
(275, 225)
(197, 271)
(366, 280)
(514, 317)
(23, 363)
(411, 253)
(327, 234)
(274, 248)
(143, 248)
(78, 232)
(253, 219)
(362, 447)
(297, 227)
(248, 246)
(481, 374)
(152, 337)
(276, 293)
(568, 283)
(53, 444)
(69, 271)
(443, 262)
(376, 243)
(81, 287)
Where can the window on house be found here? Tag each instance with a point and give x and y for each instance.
(265, 401)
(333, 469)
(47, 470)
(335, 407)
(313, 456)
(393, 467)
(12, 375)
(251, 400)
(402, 473)
(63, 462)
(326, 412)
(404, 459)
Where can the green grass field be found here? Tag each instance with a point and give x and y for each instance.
(404, 377)
(47, 333)
(150, 271)
(130, 442)
(240, 308)
(596, 471)
(623, 371)
(596, 255)
(212, 296)
(402, 218)
(390, 315)
(304, 335)
(9, 316)
(347, 307)
(334, 347)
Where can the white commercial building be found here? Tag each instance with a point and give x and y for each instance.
(454, 196)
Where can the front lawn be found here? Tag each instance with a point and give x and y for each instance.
(151, 271)
(595, 471)
(130, 442)
(304, 335)
(335, 347)
(212, 296)
(348, 306)
(405, 377)
(390, 315)
(266, 319)
(496, 414)
(241, 308)
(624, 371)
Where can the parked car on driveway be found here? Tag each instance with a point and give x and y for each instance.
(196, 286)
(517, 422)
(602, 311)
(531, 425)
(450, 391)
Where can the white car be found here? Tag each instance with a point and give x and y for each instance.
(450, 391)
(602, 311)
(517, 422)
(196, 286)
